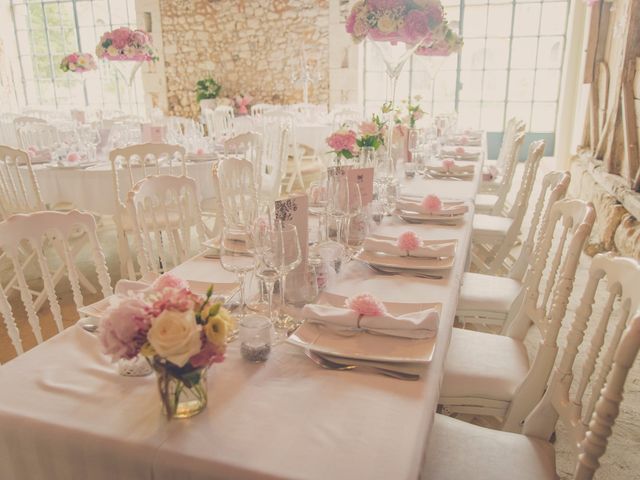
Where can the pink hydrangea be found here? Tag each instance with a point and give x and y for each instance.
(351, 22)
(343, 141)
(120, 37)
(448, 164)
(416, 26)
(368, 128)
(169, 281)
(123, 329)
(366, 304)
(385, 4)
(409, 241)
(431, 203)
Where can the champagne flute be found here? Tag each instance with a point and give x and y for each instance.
(236, 257)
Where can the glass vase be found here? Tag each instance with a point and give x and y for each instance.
(367, 157)
(183, 395)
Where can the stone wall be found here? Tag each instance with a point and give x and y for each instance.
(249, 47)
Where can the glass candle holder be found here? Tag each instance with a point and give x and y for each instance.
(255, 338)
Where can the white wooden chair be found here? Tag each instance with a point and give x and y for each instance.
(248, 146)
(489, 299)
(138, 162)
(495, 201)
(220, 122)
(345, 116)
(164, 209)
(489, 374)
(8, 134)
(238, 194)
(26, 120)
(275, 156)
(586, 400)
(41, 230)
(16, 196)
(259, 108)
(494, 236)
(41, 136)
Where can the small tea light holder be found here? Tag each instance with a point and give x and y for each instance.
(409, 169)
(255, 338)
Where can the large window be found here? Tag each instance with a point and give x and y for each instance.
(510, 65)
(47, 30)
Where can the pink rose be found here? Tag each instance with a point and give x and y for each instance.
(366, 304)
(431, 203)
(123, 328)
(207, 355)
(73, 58)
(169, 281)
(385, 4)
(120, 37)
(448, 164)
(416, 26)
(409, 241)
(460, 151)
(200, 151)
(73, 157)
(139, 37)
(368, 128)
(351, 21)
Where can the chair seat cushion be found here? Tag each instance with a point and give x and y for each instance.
(458, 450)
(483, 366)
(486, 293)
(490, 225)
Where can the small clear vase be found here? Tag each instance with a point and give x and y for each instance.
(367, 157)
(182, 396)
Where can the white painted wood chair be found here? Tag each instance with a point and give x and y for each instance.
(345, 116)
(259, 108)
(513, 128)
(40, 136)
(16, 195)
(238, 194)
(248, 146)
(275, 156)
(40, 231)
(489, 374)
(26, 120)
(8, 134)
(495, 202)
(220, 122)
(494, 236)
(137, 162)
(586, 400)
(489, 299)
(164, 209)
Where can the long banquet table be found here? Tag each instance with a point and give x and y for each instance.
(66, 414)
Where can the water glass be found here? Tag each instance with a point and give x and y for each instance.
(255, 338)
(236, 257)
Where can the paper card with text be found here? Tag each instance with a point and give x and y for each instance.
(364, 178)
(338, 170)
(294, 210)
(153, 133)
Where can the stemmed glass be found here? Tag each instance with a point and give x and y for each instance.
(284, 255)
(345, 203)
(318, 194)
(236, 256)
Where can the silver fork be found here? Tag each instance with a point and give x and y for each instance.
(331, 365)
(391, 273)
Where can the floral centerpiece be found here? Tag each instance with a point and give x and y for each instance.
(78, 63)
(445, 45)
(344, 143)
(242, 103)
(207, 90)
(124, 44)
(178, 332)
(371, 133)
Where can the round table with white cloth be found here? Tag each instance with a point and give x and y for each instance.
(312, 134)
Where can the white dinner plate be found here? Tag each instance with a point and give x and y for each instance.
(412, 217)
(439, 172)
(405, 263)
(367, 346)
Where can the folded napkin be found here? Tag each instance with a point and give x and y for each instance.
(415, 206)
(422, 324)
(390, 247)
(453, 169)
(460, 152)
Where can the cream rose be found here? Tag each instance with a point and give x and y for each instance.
(386, 24)
(175, 336)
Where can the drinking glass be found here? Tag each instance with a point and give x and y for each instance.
(236, 257)
(283, 256)
(318, 199)
(354, 232)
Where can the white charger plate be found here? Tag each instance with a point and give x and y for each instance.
(367, 346)
(405, 263)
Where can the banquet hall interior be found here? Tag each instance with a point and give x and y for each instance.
(319, 239)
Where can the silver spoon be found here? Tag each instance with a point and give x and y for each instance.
(331, 365)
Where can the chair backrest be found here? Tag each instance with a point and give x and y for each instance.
(519, 208)
(553, 188)
(140, 161)
(507, 172)
(16, 195)
(586, 405)
(248, 146)
(39, 136)
(220, 122)
(259, 108)
(163, 210)
(347, 117)
(45, 234)
(237, 191)
(513, 128)
(547, 286)
(274, 161)
(26, 120)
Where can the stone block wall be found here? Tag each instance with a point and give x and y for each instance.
(249, 47)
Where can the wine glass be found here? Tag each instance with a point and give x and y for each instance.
(318, 199)
(355, 231)
(236, 257)
(260, 232)
(284, 255)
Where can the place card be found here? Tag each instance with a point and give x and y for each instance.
(152, 133)
(79, 116)
(363, 177)
(338, 171)
(294, 210)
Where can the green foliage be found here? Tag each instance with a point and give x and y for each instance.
(207, 88)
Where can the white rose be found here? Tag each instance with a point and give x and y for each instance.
(175, 336)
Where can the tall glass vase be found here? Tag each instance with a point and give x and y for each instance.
(127, 70)
(395, 57)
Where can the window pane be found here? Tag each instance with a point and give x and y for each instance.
(471, 85)
(497, 53)
(523, 52)
(520, 110)
(547, 82)
(469, 115)
(494, 85)
(499, 24)
(550, 54)
(527, 18)
(475, 21)
(491, 118)
(543, 117)
(554, 18)
(473, 54)
(521, 85)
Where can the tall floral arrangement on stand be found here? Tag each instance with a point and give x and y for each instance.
(126, 45)
(178, 332)
(78, 63)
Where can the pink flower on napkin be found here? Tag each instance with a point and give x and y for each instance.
(73, 157)
(460, 151)
(464, 140)
(366, 304)
(200, 151)
(448, 164)
(169, 281)
(409, 241)
(431, 203)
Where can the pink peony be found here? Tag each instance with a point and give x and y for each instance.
(448, 164)
(431, 203)
(120, 37)
(343, 140)
(169, 281)
(460, 151)
(139, 37)
(73, 157)
(409, 241)
(416, 26)
(200, 151)
(385, 4)
(123, 329)
(207, 355)
(366, 304)
(351, 22)
(368, 128)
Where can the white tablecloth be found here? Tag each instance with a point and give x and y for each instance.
(91, 189)
(313, 134)
(66, 414)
